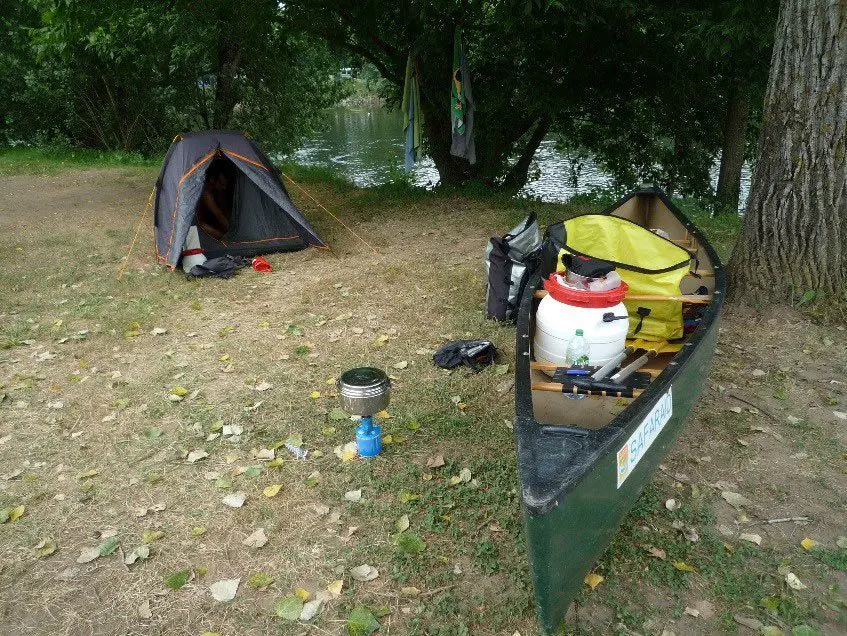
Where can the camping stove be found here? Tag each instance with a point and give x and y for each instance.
(365, 391)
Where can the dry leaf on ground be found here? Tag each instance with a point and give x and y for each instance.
(257, 539)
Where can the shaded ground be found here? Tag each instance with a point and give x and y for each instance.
(90, 438)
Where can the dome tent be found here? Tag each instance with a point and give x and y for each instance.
(263, 218)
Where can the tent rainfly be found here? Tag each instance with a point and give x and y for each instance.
(263, 218)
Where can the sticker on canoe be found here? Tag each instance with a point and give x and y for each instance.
(636, 447)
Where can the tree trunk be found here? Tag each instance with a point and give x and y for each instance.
(229, 56)
(795, 227)
(732, 152)
(516, 178)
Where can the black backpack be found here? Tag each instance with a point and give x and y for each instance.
(509, 262)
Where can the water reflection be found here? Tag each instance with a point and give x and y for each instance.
(366, 148)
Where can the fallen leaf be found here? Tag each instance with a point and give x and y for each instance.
(178, 579)
(338, 415)
(411, 543)
(752, 538)
(401, 365)
(592, 579)
(753, 623)
(87, 555)
(272, 491)
(735, 409)
(808, 543)
(158, 331)
(335, 587)
(682, 566)
(361, 622)
(235, 500)
(260, 580)
(289, 608)
(196, 456)
(402, 524)
(144, 611)
(364, 573)
(736, 500)
(706, 609)
(149, 536)
(691, 611)
(257, 539)
(140, 553)
(771, 630)
(224, 590)
(179, 391)
(302, 594)
(353, 495)
(841, 542)
(313, 479)
(656, 552)
(263, 386)
(314, 395)
(409, 591)
(501, 369)
(672, 504)
(321, 509)
(436, 461)
(793, 582)
(45, 548)
(310, 610)
(198, 531)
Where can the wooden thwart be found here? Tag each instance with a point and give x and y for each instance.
(696, 300)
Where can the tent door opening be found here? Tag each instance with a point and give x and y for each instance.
(254, 223)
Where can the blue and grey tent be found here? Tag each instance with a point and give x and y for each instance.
(263, 218)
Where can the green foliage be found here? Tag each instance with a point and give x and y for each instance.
(129, 76)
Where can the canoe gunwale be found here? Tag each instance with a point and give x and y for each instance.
(587, 447)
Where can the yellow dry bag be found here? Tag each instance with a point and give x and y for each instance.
(650, 264)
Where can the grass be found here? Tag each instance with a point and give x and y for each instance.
(46, 160)
(464, 549)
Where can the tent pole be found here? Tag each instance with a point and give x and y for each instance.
(137, 230)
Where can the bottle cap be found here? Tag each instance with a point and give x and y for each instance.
(579, 332)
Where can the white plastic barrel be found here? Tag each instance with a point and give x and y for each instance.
(556, 323)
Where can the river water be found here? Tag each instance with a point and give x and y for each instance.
(366, 148)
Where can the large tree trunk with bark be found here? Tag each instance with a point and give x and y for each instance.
(795, 227)
(734, 142)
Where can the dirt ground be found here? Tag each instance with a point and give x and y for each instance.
(129, 410)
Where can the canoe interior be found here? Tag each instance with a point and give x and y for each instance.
(650, 211)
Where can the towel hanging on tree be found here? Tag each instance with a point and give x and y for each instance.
(412, 118)
(461, 104)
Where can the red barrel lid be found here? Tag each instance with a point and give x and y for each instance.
(584, 297)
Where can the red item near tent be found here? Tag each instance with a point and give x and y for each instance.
(261, 265)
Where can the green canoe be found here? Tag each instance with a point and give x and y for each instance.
(577, 480)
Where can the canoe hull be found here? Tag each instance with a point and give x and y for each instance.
(565, 542)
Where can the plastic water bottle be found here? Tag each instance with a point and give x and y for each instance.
(576, 355)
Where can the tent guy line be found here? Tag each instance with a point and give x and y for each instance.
(318, 203)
